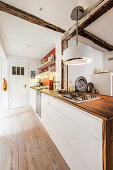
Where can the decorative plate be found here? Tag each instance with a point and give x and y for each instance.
(81, 84)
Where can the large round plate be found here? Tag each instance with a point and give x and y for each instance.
(81, 84)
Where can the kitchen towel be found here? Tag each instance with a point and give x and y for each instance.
(4, 85)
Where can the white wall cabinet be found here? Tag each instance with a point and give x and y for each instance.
(76, 134)
(32, 98)
(104, 83)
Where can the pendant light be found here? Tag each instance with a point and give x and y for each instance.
(77, 14)
(76, 54)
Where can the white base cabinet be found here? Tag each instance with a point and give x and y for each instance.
(32, 98)
(76, 134)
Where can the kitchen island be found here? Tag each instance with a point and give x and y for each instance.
(102, 108)
(81, 131)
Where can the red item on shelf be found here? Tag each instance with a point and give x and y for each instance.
(50, 84)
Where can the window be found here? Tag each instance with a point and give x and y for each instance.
(22, 70)
(13, 70)
(17, 70)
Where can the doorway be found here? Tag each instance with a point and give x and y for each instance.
(18, 86)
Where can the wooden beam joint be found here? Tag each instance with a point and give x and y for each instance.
(93, 15)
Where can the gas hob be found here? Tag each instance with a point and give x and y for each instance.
(79, 97)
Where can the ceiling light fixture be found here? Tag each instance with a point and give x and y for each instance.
(41, 9)
(77, 54)
(29, 45)
(76, 15)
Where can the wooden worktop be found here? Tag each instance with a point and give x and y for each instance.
(102, 108)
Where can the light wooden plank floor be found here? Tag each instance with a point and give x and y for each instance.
(25, 144)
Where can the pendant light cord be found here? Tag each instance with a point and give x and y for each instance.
(77, 29)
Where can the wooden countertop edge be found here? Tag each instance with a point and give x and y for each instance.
(75, 105)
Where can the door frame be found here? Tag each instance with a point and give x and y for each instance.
(0, 82)
(27, 80)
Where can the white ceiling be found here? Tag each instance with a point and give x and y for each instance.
(56, 12)
(103, 27)
(17, 34)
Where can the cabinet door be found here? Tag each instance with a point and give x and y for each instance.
(33, 99)
(86, 121)
(44, 108)
(72, 159)
(30, 96)
(86, 147)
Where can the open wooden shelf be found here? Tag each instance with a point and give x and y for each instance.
(48, 63)
(46, 73)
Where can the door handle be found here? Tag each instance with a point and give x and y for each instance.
(25, 86)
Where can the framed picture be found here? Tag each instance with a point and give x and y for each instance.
(33, 74)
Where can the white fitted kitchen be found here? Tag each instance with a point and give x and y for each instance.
(65, 123)
(56, 85)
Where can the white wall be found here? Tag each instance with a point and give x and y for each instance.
(88, 69)
(32, 66)
(85, 70)
(108, 64)
(4, 74)
(2, 66)
(2, 49)
(21, 59)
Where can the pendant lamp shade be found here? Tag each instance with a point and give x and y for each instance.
(75, 55)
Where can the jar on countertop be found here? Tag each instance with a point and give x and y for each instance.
(70, 86)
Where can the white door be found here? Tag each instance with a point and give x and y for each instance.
(18, 82)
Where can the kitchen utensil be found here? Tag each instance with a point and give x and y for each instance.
(81, 84)
(50, 85)
(61, 91)
(52, 57)
(90, 87)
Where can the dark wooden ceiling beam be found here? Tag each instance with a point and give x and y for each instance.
(102, 10)
(92, 16)
(28, 17)
(96, 40)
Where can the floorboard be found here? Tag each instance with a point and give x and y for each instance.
(25, 144)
